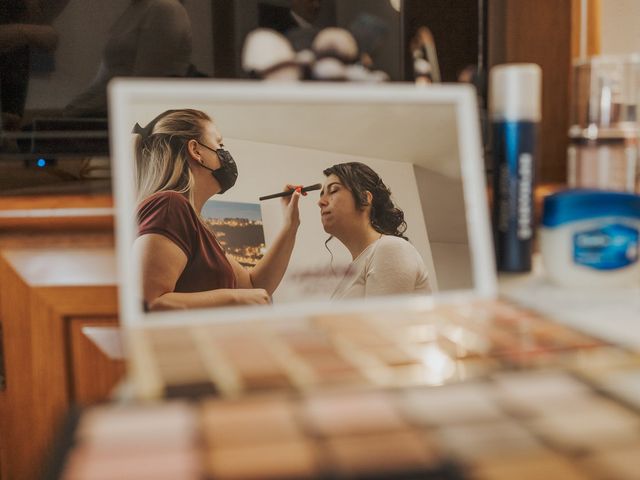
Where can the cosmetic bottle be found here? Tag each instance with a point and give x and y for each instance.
(603, 138)
(514, 103)
(590, 238)
(606, 159)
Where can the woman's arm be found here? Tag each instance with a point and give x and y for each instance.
(159, 279)
(223, 297)
(270, 269)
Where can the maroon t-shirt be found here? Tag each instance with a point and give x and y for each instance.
(170, 214)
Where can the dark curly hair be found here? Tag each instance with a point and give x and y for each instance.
(359, 178)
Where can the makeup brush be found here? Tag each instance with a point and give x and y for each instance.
(286, 193)
(301, 40)
(422, 71)
(359, 73)
(423, 46)
(335, 48)
(268, 55)
(329, 69)
(336, 42)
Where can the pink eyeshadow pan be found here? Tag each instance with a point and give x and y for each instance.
(352, 413)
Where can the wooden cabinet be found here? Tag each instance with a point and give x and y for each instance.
(47, 295)
(93, 374)
(57, 274)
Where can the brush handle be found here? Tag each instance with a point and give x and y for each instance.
(286, 193)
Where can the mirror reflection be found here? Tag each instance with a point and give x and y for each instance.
(57, 57)
(388, 217)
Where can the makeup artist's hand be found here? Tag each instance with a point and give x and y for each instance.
(292, 213)
(251, 296)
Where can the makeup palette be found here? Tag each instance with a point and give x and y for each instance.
(482, 391)
(618, 377)
(479, 429)
(447, 343)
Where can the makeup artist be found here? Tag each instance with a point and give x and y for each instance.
(357, 209)
(180, 163)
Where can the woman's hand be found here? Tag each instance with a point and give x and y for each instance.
(251, 296)
(292, 212)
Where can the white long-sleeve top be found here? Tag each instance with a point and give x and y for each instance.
(389, 266)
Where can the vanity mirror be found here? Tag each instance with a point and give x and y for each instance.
(424, 144)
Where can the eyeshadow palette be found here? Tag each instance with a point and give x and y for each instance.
(534, 424)
(444, 344)
(618, 376)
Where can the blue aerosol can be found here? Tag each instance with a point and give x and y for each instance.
(514, 101)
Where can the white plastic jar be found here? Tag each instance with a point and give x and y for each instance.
(590, 238)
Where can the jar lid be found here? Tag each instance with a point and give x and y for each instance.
(573, 205)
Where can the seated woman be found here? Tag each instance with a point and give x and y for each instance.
(356, 208)
(181, 162)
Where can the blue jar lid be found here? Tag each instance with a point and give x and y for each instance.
(574, 205)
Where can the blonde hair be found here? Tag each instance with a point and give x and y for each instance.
(162, 158)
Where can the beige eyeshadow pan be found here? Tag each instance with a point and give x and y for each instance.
(148, 423)
(159, 464)
(255, 364)
(351, 413)
(278, 461)
(621, 463)
(250, 421)
(588, 426)
(534, 392)
(487, 440)
(541, 466)
(361, 455)
(451, 404)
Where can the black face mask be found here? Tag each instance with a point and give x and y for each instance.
(227, 174)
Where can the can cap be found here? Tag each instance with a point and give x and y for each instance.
(575, 205)
(515, 91)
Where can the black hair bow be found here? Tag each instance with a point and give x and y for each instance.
(146, 132)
